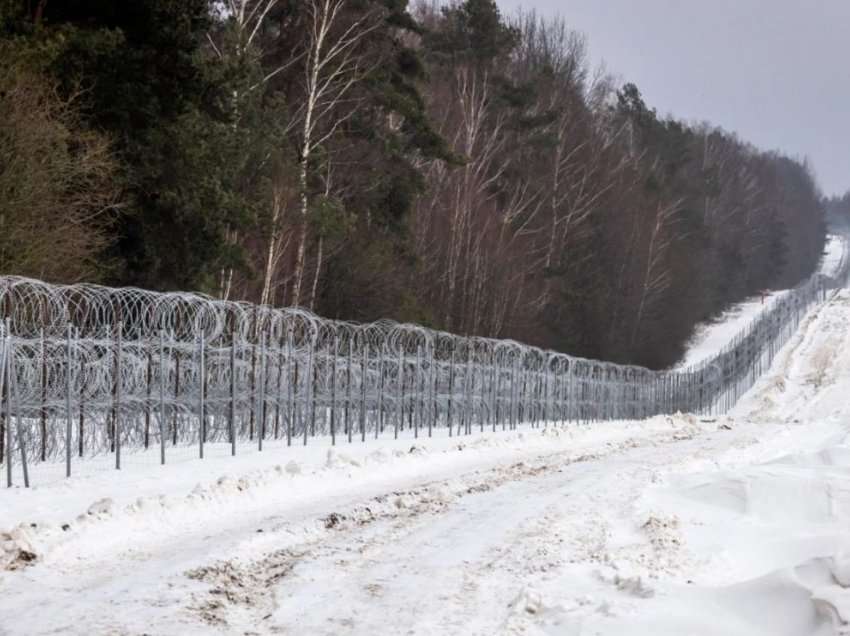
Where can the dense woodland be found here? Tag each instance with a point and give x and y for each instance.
(439, 163)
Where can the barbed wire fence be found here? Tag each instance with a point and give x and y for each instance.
(110, 374)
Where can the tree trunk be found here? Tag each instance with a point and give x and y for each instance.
(272, 250)
(301, 251)
(312, 304)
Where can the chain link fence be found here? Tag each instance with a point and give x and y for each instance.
(97, 375)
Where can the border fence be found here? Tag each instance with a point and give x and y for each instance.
(92, 372)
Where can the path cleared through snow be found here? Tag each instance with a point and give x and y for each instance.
(733, 526)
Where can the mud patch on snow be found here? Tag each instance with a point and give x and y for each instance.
(432, 498)
(239, 585)
(16, 549)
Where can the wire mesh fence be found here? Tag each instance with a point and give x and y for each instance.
(95, 375)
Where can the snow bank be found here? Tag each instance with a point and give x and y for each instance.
(111, 507)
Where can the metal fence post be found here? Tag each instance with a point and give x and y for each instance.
(69, 427)
(417, 393)
(231, 414)
(162, 410)
(117, 409)
(379, 424)
(261, 394)
(334, 355)
(202, 424)
(7, 369)
(432, 410)
(309, 381)
(290, 399)
(347, 423)
(451, 389)
(364, 376)
(469, 387)
(13, 382)
(399, 420)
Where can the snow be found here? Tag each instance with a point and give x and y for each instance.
(711, 337)
(673, 526)
(834, 251)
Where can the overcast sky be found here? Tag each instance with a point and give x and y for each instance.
(775, 71)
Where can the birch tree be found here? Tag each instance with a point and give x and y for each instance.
(657, 271)
(240, 46)
(333, 64)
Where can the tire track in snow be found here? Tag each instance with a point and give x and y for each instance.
(448, 537)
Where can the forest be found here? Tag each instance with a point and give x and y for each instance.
(436, 162)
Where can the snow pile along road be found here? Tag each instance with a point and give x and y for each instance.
(734, 526)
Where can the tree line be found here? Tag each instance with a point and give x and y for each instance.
(439, 163)
(838, 213)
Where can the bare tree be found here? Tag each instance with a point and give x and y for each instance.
(657, 272)
(58, 192)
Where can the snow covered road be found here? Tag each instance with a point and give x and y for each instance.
(733, 526)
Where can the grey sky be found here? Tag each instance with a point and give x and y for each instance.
(777, 72)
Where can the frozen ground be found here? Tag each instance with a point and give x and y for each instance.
(713, 336)
(674, 526)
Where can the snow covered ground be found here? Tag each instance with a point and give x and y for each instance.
(833, 252)
(736, 526)
(713, 336)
